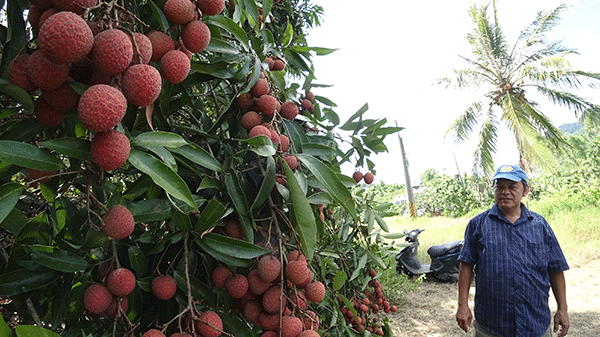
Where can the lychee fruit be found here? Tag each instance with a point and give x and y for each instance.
(161, 44)
(179, 12)
(142, 48)
(291, 326)
(110, 149)
(164, 287)
(118, 222)
(195, 36)
(112, 51)
(310, 320)
(269, 334)
(278, 65)
(210, 7)
(77, 6)
(272, 300)
(61, 99)
(309, 333)
(17, 73)
(33, 16)
(153, 333)
(46, 114)
(296, 255)
(260, 88)
(284, 143)
(299, 300)
(257, 285)
(209, 324)
(237, 286)
(269, 268)
(274, 136)
(357, 176)
(97, 298)
(310, 96)
(245, 100)
(296, 271)
(268, 321)
(39, 176)
(250, 119)
(141, 84)
(220, 275)
(113, 309)
(251, 311)
(174, 66)
(267, 105)
(270, 62)
(289, 110)
(258, 131)
(291, 160)
(65, 38)
(120, 282)
(368, 177)
(101, 107)
(281, 179)
(45, 74)
(234, 229)
(315, 292)
(306, 104)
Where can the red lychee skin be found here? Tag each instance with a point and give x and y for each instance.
(292, 161)
(269, 334)
(269, 322)
(270, 62)
(141, 84)
(61, 99)
(181, 47)
(210, 7)
(269, 268)
(278, 65)
(310, 320)
(97, 298)
(161, 44)
(299, 300)
(118, 222)
(113, 309)
(220, 275)
(179, 12)
(17, 73)
(272, 300)
(284, 143)
(45, 74)
(65, 38)
(260, 88)
(251, 311)
(368, 178)
(110, 149)
(315, 292)
(237, 286)
(289, 110)
(296, 255)
(296, 271)
(257, 285)
(245, 100)
(153, 333)
(291, 326)
(281, 179)
(209, 324)
(250, 119)
(142, 48)
(77, 6)
(181, 335)
(274, 136)
(164, 287)
(267, 105)
(40, 176)
(101, 107)
(112, 51)
(120, 282)
(357, 176)
(306, 104)
(258, 131)
(195, 36)
(234, 229)
(46, 114)
(48, 13)
(309, 333)
(174, 66)
(310, 96)
(34, 15)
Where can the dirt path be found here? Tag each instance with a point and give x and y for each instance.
(429, 310)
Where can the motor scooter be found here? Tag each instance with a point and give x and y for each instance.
(444, 258)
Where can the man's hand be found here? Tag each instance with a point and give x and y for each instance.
(561, 319)
(464, 317)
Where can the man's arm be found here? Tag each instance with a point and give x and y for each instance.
(464, 317)
(559, 289)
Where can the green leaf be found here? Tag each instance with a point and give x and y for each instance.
(137, 260)
(217, 45)
(230, 26)
(267, 184)
(163, 176)
(220, 69)
(198, 288)
(158, 138)
(320, 198)
(199, 156)
(303, 215)
(14, 221)
(5, 330)
(27, 155)
(9, 196)
(34, 331)
(227, 259)
(60, 300)
(350, 125)
(339, 279)
(18, 93)
(361, 266)
(238, 198)
(23, 280)
(71, 147)
(319, 50)
(331, 182)
(377, 260)
(381, 222)
(210, 215)
(233, 247)
(58, 259)
(288, 35)
(165, 156)
(261, 145)
(150, 210)
(159, 16)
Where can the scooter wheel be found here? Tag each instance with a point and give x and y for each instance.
(403, 270)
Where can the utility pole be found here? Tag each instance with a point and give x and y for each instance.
(409, 190)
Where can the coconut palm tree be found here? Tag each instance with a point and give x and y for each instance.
(508, 75)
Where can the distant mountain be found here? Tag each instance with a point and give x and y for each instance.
(571, 128)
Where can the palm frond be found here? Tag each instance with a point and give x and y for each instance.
(463, 125)
(578, 105)
(530, 55)
(544, 126)
(486, 147)
(486, 39)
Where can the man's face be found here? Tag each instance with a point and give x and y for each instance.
(508, 193)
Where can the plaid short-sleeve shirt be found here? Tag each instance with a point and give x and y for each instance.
(512, 267)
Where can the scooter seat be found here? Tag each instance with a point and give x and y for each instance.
(439, 250)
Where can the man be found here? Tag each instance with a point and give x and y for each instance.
(515, 258)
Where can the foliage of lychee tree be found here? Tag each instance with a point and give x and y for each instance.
(138, 194)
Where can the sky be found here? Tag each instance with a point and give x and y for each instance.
(390, 54)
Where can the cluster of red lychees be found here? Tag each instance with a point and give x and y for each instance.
(367, 177)
(111, 294)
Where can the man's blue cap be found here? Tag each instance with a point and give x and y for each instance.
(510, 172)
